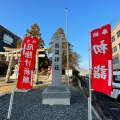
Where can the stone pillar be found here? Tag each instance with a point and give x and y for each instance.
(16, 56)
(7, 58)
(56, 93)
(57, 60)
(36, 67)
(15, 71)
(9, 69)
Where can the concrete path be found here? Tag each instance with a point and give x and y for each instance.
(6, 88)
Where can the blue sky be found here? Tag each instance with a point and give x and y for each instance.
(83, 15)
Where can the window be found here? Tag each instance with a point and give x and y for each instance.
(7, 38)
(113, 38)
(115, 60)
(119, 45)
(118, 34)
(114, 49)
(116, 78)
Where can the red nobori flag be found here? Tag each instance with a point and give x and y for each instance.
(102, 70)
(27, 62)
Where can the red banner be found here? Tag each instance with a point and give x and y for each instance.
(102, 70)
(49, 70)
(27, 62)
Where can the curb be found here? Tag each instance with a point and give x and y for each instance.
(16, 90)
(93, 109)
(95, 112)
(3, 94)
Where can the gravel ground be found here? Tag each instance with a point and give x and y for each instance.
(28, 106)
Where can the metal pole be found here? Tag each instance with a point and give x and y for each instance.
(12, 94)
(88, 108)
(10, 105)
(90, 112)
(67, 44)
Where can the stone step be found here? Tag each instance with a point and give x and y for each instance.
(46, 81)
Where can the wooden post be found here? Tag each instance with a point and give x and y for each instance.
(36, 67)
(9, 69)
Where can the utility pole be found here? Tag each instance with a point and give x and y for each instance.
(67, 44)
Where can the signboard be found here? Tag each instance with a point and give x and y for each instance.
(27, 62)
(102, 70)
(69, 72)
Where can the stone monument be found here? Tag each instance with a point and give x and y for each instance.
(56, 93)
(14, 76)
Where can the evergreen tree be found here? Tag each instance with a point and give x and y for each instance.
(73, 57)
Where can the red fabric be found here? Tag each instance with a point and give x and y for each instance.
(101, 37)
(27, 62)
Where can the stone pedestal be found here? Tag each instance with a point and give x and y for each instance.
(56, 95)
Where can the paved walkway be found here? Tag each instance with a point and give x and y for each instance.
(7, 87)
